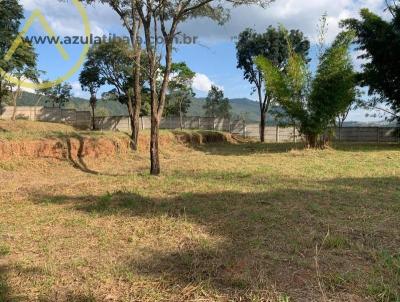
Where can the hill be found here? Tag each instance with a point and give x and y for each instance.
(240, 107)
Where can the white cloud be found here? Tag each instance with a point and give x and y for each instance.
(77, 90)
(202, 83)
(65, 20)
(303, 15)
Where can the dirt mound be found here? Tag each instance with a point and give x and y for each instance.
(64, 148)
(202, 137)
(46, 140)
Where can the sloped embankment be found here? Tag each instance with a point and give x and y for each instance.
(63, 148)
(49, 140)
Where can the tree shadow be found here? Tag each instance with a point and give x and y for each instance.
(268, 237)
(365, 147)
(254, 148)
(5, 294)
(79, 163)
(246, 148)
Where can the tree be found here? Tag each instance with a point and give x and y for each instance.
(114, 62)
(91, 81)
(379, 41)
(165, 17)
(180, 90)
(21, 65)
(157, 16)
(58, 95)
(127, 11)
(272, 45)
(217, 105)
(11, 14)
(314, 103)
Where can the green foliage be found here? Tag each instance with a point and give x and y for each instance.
(313, 103)
(90, 78)
(216, 104)
(58, 95)
(22, 64)
(379, 41)
(272, 45)
(333, 88)
(112, 63)
(180, 90)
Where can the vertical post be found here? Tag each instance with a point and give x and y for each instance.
(294, 134)
(214, 123)
(199, 122)
(244, 128)
(277, 133)
(378, 136)
(229, 125)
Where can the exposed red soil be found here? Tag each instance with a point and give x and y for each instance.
(63, 148)
(100, 147)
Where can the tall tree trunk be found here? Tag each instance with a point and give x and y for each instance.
(262, 127)
(134, 122)
(312, 140)
(263, 108)
(15, 98)
(93, 117)
(137, 104)
(155, 168)
(180, 115)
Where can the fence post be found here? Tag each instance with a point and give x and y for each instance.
(397, 131)
(378, 136)
(294, 134)
(244, 128)
(277, 133)
(229, 125)
(214, 123)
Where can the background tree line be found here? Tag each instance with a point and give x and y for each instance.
(276, 62)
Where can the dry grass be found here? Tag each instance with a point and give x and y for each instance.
(225, 222)
(22, 130)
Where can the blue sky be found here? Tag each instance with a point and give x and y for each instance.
(213, 58)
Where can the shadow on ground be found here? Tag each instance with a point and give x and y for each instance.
(243, 148)
(270, 237)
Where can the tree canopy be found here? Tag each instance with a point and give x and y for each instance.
(216, 105)
(379, 42)
(314, 103)
(273, 45)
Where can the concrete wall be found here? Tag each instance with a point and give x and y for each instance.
(345, 134)
(78, 119)
(82, 120)
(274, 134)
(368, 134)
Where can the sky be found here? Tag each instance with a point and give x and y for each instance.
(213, 56)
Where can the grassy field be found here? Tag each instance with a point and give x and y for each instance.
(224, 222)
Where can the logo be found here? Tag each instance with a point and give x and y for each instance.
(37, 15)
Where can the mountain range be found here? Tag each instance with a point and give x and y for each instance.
(241, 107)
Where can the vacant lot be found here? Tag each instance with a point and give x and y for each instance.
(225, 222)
